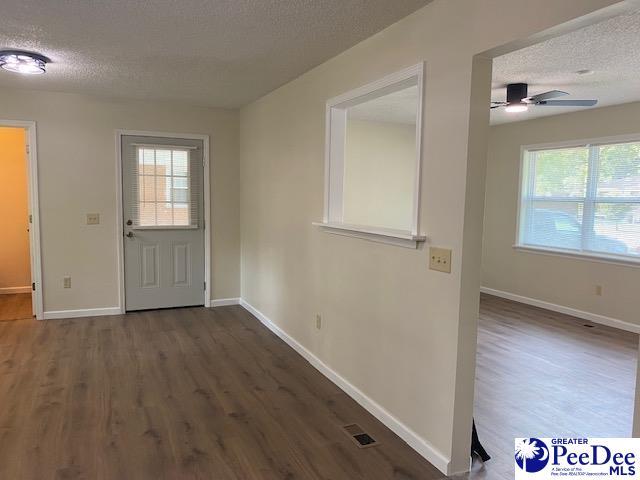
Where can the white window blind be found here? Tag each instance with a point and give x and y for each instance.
(582, 199)
(165, 186)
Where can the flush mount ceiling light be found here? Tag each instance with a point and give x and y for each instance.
(516, 107)
(19, 61)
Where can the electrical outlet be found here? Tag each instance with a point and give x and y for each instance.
(598, 290)
(319, 321)
(66, 282)
(93, 218)
(440, 259)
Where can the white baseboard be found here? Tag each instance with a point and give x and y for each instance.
(592, 317)
(88, 312)
(223, 302)
(416, 442)
(11, 290)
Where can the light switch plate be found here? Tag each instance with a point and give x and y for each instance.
(93, 218)
(440, 259)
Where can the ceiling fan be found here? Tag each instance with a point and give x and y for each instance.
(518, 101)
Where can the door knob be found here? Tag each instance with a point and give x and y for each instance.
(130, 235)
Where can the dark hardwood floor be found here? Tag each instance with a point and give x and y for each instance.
(178, 394)
(544, 374)
(15, 306)
(211, 394)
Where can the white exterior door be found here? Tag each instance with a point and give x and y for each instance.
(163, 214)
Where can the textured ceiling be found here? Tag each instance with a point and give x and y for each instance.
(396, 107)
(610, 49)
(207, 52)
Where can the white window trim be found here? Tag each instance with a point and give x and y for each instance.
(586, 256)
(169, 185)
(381, 235)
(574, 254)
(335, 125)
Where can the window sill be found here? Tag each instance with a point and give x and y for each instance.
(382, 235)
(588, 256)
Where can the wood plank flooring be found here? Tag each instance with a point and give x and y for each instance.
(178, 394)
(544, 374)
(15, 306)
(211, 394)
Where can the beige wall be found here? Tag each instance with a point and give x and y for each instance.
(15, 270)
(564, 281)
(402, 334)
(77, 175)
(379, 173)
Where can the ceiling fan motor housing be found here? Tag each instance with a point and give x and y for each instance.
(516, 92)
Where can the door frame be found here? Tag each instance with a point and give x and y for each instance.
(119, 214)
(35, 259)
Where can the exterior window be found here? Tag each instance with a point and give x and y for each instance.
(163, 187)
(582, 199)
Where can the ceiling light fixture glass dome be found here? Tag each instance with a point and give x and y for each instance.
(27, 63)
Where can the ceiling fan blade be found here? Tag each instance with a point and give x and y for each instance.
(567, 103)
(544, 96)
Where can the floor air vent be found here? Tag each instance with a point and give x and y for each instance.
(361, 438)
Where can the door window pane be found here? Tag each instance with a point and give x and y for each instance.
(181, 213)
(180, 163)
(163, 184)
(165, 214)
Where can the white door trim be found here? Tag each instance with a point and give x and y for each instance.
(207, 208)
(34, 211)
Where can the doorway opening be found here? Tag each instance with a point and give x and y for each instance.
(20, 292)
(558, 333)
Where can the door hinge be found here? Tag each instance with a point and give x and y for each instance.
(205, 286)
(33, 286)
(30, 218)
(27, 149)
